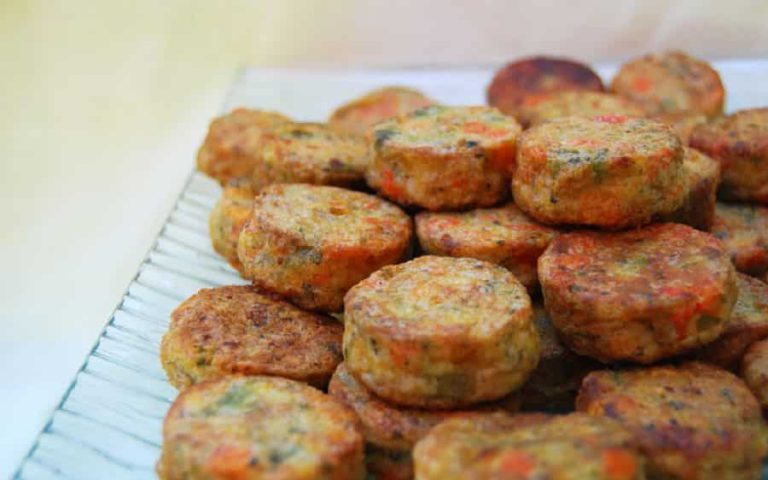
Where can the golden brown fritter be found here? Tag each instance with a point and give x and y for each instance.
(694, 421)
(640, 295)
(259, 428)
(311, 243)
(362, 113)
(232, 144)
(444, 158)
(504, 236)
(743, 230)
(671, 82)
(310, 153)
(228, 218)
(608, 171)
(517, 81)
(533, 446)
(740, 142)
(541, 108)
(748, 324)
(440, 332)
(229, 330)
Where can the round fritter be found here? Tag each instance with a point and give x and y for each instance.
(744, 232)
(533, 446)
(552, 387)
(640, 295)
(390, 426)
(682, 123)
(516, 81)
(440, 332)
(232, 144)
(444, 158)
(227, 330)
(541, 108)
(703, 177)
(504, 236)
(606, 171)
(259, 428)
(754, 370)
(309, 153)
(671, 82)
(311, 243)
(228, 218)
(748, 324)
(740, 142)
(382, 464)
(362, 113)
(694, 421)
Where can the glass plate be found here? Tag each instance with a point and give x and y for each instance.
(108, 423)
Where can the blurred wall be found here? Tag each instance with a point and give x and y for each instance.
(103, 103)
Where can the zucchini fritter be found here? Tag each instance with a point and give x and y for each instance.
(671, 82)
(228, 330)
(232, 144)
(609, 171)
(309, 153)
(694, 421)
(311, 243)
(640, 295)
(740, 142)
(259, 428)
(533, 446)
(504, 236)
(444, 158)
(362, 113)
(440, 332)
(517, 81)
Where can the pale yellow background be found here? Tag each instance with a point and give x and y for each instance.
(102, 104)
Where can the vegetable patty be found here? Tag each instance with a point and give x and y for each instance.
(311, 243)
(359, 115)
(740, 142)
(504, 236)
(694, 421)
(533, 446)
(444, 158)
(608, 171)
(517, 81)
(640, 295)
(440, 332)
(259, 428)
(228, 330)
(232, 144)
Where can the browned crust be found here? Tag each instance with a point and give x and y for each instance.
(740, 143)
(692, 421)
(671, 82)
(640, 295)
(196, 447)
(349, 236)
(530, 76)
(237, 330)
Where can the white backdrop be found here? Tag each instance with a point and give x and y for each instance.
(104, 103)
